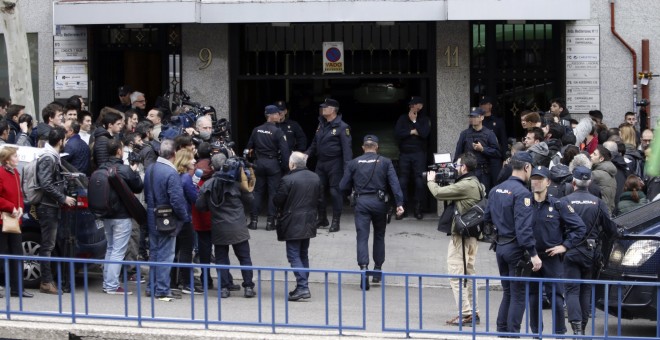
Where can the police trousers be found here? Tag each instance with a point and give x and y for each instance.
(367, 210)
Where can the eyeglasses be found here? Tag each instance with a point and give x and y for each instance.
(647, 140)
(458, 165)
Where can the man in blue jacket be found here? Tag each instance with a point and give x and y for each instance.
(76, 149)
(162, 186)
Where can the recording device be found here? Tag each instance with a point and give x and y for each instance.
(73, 182)
(445, 172)
(231, 170)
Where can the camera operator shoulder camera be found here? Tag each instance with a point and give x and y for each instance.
(456, 182)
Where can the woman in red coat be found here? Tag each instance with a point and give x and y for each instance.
(11, 202)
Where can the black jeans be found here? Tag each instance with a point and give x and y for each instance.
(183, 254)
(242, 252)
(10, 244)
(49, 218)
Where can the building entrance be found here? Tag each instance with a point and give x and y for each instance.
(385, 65)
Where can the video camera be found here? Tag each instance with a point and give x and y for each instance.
(230, 171)
(445, 172)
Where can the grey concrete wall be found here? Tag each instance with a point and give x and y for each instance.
(453, 83)
(37, 18)
(209, 86)
(635, 20)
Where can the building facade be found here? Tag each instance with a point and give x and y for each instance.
(240, 55)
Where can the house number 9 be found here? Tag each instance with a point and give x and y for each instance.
(205, 56)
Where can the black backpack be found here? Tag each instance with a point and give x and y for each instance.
(100, 195)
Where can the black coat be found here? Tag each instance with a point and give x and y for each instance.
(297, 199)
(225, 201)
(132, 179)
(100, 149)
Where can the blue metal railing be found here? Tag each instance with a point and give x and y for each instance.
(270, 290)
(590, 332)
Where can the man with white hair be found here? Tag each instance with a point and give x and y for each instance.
(204, 127)
(297, 199)
(138, 102)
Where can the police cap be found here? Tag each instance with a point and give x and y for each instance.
(485, 100)
(271, 109)
(370, 138)
(280, 105)
(582, 173)
(416, 100)
(476, 112)
(541, 171)
(522, 156)
(330, 102)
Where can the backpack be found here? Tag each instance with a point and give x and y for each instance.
(470, 223)
(100, 195)
(30, 182)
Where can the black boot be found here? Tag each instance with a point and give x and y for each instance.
(418, 211)
(376, 276)
(577, 327)
(253, 222)
(322, 219)
(270, 223)
(364, 284)
(334, 227)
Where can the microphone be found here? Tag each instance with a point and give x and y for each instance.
(197, 176)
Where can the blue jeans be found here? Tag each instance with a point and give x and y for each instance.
(296, 253)
(117, 234)
(161, 249)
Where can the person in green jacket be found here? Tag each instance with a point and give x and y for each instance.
(465, 192)
(632, 197)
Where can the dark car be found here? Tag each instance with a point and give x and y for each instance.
(635, 257)
(89, 240)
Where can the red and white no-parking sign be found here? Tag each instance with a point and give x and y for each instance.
(333, 57)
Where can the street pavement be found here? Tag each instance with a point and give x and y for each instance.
(413, 246)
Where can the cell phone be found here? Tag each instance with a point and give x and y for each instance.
(475, 142)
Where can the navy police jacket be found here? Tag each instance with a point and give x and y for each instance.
(369, 173)
(593, 212)
(485, 137)
(332, 141)
(555, 223)
(268, 141)
(510, 210)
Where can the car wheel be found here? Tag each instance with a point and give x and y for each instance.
(31, 268)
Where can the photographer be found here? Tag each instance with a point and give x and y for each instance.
(464, 193)
(225, 198)
(146, 149)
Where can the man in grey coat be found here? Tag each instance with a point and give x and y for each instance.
(297, 200)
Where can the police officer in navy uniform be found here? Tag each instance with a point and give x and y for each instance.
(510, 210)
(369, 176)
(483, 143)
(295, 136)
(332, 147)
(578, 261)
(495, 124)
(412, 132)
(268, 144)
(557, 228)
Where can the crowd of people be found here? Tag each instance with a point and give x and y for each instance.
(199, 193)
(551, 203)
